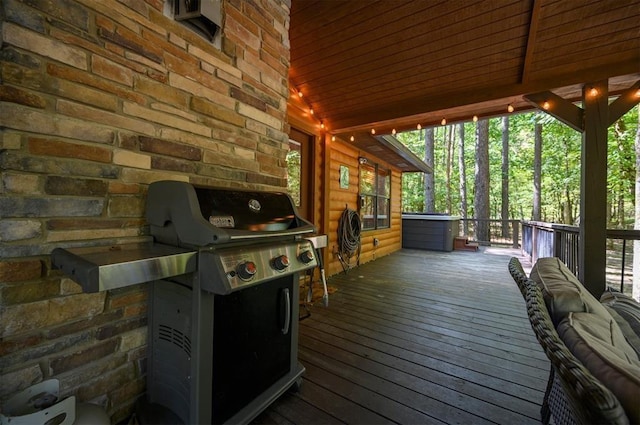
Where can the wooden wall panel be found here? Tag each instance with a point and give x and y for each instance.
(330, 200)
(390, 240)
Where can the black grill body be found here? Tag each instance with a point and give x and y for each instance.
(223, 346)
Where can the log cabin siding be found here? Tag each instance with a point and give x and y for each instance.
(390, 239)
(330, 199)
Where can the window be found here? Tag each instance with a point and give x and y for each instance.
(300, 171)
(294, 165)
(375, 196)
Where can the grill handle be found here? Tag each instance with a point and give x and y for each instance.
(287, 310)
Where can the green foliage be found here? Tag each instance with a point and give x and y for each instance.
(560, 185)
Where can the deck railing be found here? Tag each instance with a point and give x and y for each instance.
(541, 239)
(498, 232)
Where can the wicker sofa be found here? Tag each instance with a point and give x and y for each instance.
(593, 346)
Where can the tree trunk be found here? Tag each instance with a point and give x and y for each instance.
(537, 172)
(448, 167)
(429, 180)
(481, 199)
(567, 217)
(463, 181)
(505, 177)
(635, 293)
(567, 212)
(620, 211)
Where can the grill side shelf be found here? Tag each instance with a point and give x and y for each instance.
(77, 268)
(103, 268)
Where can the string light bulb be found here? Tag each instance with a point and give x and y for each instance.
(393, 131)
(546, 105)
(321, 125)
(419, 127)
(444, 121)
(593, 92)
(475, 118)
(373, 131)
(638, 93)
(299, 94)
(311, 111)
(352, 138)
(510, 108)
(333, 138)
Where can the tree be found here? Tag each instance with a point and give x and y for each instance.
(481, 198)
(463, 180)
(449, 159)
(429, 186)
(537, 171)
(635, 292)
(505, 177)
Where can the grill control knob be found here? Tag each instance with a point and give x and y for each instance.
(246, 270)
(306, 257)
(280, 263)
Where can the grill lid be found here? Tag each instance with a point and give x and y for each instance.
(182, 214)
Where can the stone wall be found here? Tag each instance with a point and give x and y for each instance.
(98, 99)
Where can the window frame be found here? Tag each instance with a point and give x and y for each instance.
(370, 200)
(305, 142)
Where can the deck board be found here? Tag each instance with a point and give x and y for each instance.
(419, 337)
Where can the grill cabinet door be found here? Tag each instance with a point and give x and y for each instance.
(252, 347)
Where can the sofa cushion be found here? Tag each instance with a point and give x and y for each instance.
(562, 291)
(600, 346)
(626, 312)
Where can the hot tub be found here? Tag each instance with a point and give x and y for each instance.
(430, 231)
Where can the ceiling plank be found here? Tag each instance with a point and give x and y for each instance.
(360, 62)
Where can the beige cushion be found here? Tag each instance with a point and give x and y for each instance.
(600, 346)
(626, 312)
(562, 291)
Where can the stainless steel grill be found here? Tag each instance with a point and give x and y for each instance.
(223, 317)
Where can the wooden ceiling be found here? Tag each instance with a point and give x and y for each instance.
(384, 64)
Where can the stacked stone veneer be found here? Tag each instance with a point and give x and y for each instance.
(98, 98)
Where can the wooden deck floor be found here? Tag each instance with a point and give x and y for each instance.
(419, 337)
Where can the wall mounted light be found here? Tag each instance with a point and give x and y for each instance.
(362, 160)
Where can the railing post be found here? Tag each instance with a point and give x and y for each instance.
(557, 245)
(534, 244)
(624, 251)
(516, 233)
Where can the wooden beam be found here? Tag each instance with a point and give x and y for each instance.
(623, 104)
(593, 187)
(531, 40)
(559, 108)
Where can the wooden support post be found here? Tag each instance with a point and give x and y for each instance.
(592, 121)
(593, 200)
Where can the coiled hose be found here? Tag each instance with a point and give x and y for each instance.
(349, 227)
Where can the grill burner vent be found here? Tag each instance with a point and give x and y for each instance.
(175, 337)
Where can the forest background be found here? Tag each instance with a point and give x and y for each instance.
(511, 141)
(522, 166)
